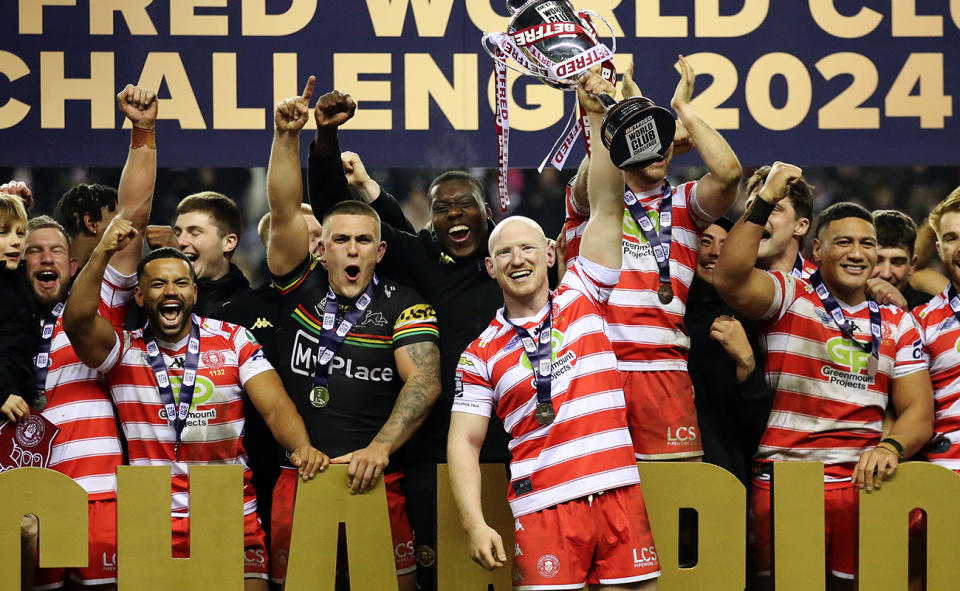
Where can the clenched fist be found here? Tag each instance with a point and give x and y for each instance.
(139, 105)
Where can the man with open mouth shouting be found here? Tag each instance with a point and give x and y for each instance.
(88, 446)
(364, 363)
(179, 384)
(444, 264)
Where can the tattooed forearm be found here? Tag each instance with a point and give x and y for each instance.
(420, 364)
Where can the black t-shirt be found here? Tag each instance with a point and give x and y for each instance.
(363, 382)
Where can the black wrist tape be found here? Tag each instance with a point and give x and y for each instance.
(759, 212)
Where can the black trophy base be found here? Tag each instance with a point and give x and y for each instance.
(637, 133)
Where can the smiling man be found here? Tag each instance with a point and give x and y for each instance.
(155, 372)
(787, 226)
(88, 448)
(546, 367)
(835, 360)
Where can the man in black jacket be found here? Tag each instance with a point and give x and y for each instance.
(446, 266)
(731, 396)
(207, 230)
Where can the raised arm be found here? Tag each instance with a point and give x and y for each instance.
(289, 240)
(466, 435)
(603, 235)
(419, 367)
(748, 290)
(325, 175)
(268, 396)
(390, 212)
(92, 335)
(717, 190)
(139, 175)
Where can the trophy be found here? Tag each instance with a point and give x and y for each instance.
(550, 40)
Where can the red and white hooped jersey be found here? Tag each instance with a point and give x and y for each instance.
(940, 333)
(87, 449)
(229, 356)
(807, 267)
(587, 448)
(826, 406)
(648, 335)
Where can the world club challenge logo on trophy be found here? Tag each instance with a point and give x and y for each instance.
(552, 41)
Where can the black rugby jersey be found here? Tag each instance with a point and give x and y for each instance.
(363, 383)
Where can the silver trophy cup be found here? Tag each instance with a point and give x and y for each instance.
(550, 40)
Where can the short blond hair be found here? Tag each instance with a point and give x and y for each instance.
(11, 210)
(949, 205)
(263, 227)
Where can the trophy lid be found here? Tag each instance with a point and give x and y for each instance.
(515, 5)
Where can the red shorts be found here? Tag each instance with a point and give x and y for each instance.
(841, 504)
(102, 558)
(661, 414)
(254, 544)
(284, 498)
(603, 538)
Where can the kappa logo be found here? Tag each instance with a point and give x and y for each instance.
(548, 566)
(446, 259)
(262, 323)
(389, 289)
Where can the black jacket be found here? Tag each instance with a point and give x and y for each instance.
(464, 296)
(732, 415)
(19, 334)
(213, 294)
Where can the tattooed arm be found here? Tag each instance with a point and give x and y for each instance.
(419, 367)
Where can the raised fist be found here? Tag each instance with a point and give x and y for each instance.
(353, 168)
(139, 105)
(334, 109)
(160, 236)
(293, 113)
(18, 189)
(779, 180)
(117, 236)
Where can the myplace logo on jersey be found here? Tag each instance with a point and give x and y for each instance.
(303, 354)
(361, 372)
(203, 391)
(303, 359)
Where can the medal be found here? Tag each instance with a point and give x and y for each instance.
(872, 364)
(545, 413)
(659, 241)
(665, 293)
(332, 336)
(319, 396)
